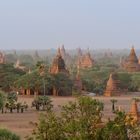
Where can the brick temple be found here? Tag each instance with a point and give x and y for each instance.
(131, 64)
(134, 111)
(58, 64)
(112, 88)
(85, 61)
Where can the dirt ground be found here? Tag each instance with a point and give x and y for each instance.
(20, 122)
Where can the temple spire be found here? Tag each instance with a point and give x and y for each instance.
(134, 110)
(59, 52)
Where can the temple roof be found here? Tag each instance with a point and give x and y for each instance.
(134, 108)
(58, 64)
(111, 84)
(132, 56)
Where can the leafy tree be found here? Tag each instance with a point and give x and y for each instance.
(77, 120)
(42, 102)
(7, 135)
(11, 101)
(2, 100)
(113, 101)
(8, 75)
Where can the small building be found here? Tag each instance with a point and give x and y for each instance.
(112, 88)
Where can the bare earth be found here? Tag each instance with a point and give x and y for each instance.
(20, 122)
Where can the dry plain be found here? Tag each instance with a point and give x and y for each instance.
(20, 122)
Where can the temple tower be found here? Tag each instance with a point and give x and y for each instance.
(134, 110)
(131, 64)
(112, 88)
(58, 64)
(85, 61)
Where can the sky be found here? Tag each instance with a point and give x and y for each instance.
(43, 24)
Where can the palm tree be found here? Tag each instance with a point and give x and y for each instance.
(113, 101)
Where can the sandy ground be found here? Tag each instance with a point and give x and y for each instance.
(20, 122)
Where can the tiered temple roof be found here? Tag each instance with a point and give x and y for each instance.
(131, 64)
(112, 88)
(58, 64)
(85, 61)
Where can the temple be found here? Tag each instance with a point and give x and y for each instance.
(112, 88)
(58, 64)
(18, 65)
(2, 58)
(134, 111)
(131, 64)
(85, 61)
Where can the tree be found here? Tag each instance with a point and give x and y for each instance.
(2, 100)
(77, 120)
(113, 101)
(7, 135)
(11, 101)
(42, 102)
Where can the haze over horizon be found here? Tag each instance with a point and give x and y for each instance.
(33, 24)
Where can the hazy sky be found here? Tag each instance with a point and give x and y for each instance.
(41, 24)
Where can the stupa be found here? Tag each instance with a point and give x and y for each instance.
(85, 61)
(131, 64)
(112, 88)
(134, 110)
(58, 64)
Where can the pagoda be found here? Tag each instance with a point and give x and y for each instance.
(134, 110)
(112, 88)
(18, 65)
(2, 58)
(85, 61)
(131, 64)
(58, 64)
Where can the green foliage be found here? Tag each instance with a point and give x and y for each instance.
(77, 121)
(2, 99)
(115, 129)
(42, 102)
(62, 83)
(8, 75)
(7, 135)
